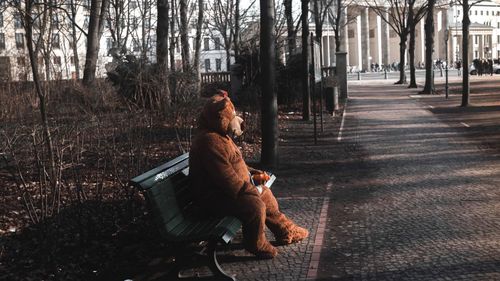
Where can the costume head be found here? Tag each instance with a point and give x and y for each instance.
(219, 115)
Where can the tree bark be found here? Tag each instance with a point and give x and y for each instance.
(402, 61)
(197, 49)
(74, 38)
(172, 36)
(289, 26)
(184, 36)
(162, 36)
(429, 48)
(306, 97)
(98, 9)
(269, 121)
(412, 25)
(465, 53)
(236, 29)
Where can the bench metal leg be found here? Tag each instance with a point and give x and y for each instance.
(214, 265)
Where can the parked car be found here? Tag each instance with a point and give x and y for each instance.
(473, 71)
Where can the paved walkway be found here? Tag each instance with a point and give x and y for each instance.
(420, 200)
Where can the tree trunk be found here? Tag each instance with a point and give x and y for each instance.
(306, 97)
(289, 26)
(429, 48)
(162, 48)
(97, 11)
(236, 29)
(184, 35)
(172, 37)
(197, 49)
(162, 36)
(74, 38)
(465, 53)
(269, 121)
(42, 99)
(402, 61)
(412, 24)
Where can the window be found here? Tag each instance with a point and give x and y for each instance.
(218, 64)
(57, 60)
(21, 61)
(476, 54)
(498, 38)
(350, 33)
(475, 12)
(207, 65)
(55, 41)
(372, 33)
(19, 40)
(498, 54)
(17, 21)
(86, 22)
(481, 13)
(2, 41)
(1, 19)
(206, 44)
(498, 24)
(458, 12)
(487, 13)
(72, 60)
(135, 24)
(133, 4)
(135, 46)
(476, 39)
(55, 21)
(109, 43)
(217, 43)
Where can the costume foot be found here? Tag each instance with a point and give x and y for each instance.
(268, 251)
(295, 234)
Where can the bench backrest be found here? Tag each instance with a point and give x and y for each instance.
(166, 189)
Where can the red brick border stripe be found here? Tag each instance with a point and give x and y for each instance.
(312, 273)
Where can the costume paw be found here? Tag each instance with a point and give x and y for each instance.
(267, 251)
(295, 234)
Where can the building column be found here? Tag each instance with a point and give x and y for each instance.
(385, 41)
(365, 39)
(481, 47)
(331, 40)
(358, 43)
(326, 51)
(345, 39)
(378, 49)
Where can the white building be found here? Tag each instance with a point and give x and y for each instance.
(135, 32)
(369, 40)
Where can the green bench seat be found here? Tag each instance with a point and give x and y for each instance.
(166, 190)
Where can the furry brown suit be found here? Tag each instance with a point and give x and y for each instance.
(221, 183)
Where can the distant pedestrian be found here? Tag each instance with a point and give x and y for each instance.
(490, 66)
(459, 67)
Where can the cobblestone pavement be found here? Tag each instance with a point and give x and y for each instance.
(414, 199)
(293, 261)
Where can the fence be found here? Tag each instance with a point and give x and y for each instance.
(215, 77)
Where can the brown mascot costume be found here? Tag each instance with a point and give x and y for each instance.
(220, 180)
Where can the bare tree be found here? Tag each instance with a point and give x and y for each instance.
(269, 152)
(415, 14)
(429, 47)
(339, 19)
(396, 14)
(306, 97)
(466, 6)
(162, 36)
(98, 10)
(222, 24)
(184, 30)
(291, 32)
(197, 47)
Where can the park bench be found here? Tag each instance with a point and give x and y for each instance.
(166, 190)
